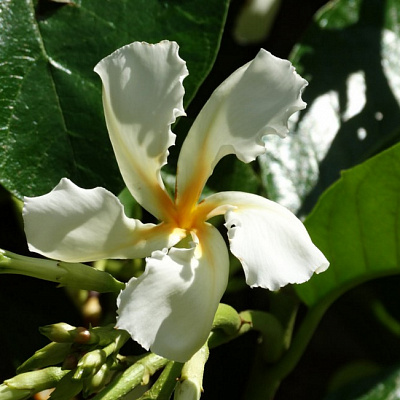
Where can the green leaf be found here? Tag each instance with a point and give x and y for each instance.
(350, 57)
(51, 118)
(382, 386)
(232, 174)
(356, 225)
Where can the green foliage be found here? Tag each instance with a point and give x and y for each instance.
(51, 115)
(350, 57)
(381, 386)
(356, 225)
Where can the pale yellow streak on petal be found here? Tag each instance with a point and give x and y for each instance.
(147, 168)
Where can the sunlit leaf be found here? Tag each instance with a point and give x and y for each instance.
(350, 58)
(356, 224)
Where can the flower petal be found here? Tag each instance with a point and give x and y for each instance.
(272, 243)
(77, 225)
(142, 97)
(254, 101)
(170, 308)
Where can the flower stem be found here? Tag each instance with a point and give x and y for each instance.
(229, 324)
(164, 386)
(266, 378)
(132, 377)
(190, 385)
(74, 275)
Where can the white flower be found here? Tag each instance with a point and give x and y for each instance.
(171, 306)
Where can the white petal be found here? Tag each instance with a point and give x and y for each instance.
(170, 308)
(77, 225)
(254, 101)
(142, 97)
(272, 244)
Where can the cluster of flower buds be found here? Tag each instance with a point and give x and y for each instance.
(88, 358)
(87, 361)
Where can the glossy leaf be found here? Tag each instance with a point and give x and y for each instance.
(382, 386)
(350, 58)
(356, 225)
(51, 118)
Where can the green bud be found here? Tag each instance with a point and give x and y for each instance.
(65, 333)
(90, 363)
(67, 388)
(7, 393)
(60, 332)
(190, 386)
(36, 381)
(227, 319)
(131, 377)
(105, 335)
(52, 354)
(99, 379)
(122, 384)
(227, 325)
(82, 276)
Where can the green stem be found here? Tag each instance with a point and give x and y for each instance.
(266, 378)
(190, 385)
(164, 386)
(132, 377)
(74, 275)
(271, 330)
(51, 354)
(121, 337)
(385, 318)
(228, 325)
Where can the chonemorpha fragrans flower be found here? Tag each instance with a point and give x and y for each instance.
(170, 307)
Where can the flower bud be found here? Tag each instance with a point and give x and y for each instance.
(255, 21)
(90, 363)
(83, 335)
(85, 277)
(67, 388)
(52, 354)
(99, 379)
(61, 332)
(7, 393)
(227, 319)
(36, 381)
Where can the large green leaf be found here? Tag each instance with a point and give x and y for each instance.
(382, 386)
(51, 119)
(350, 57)
(356, 224)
